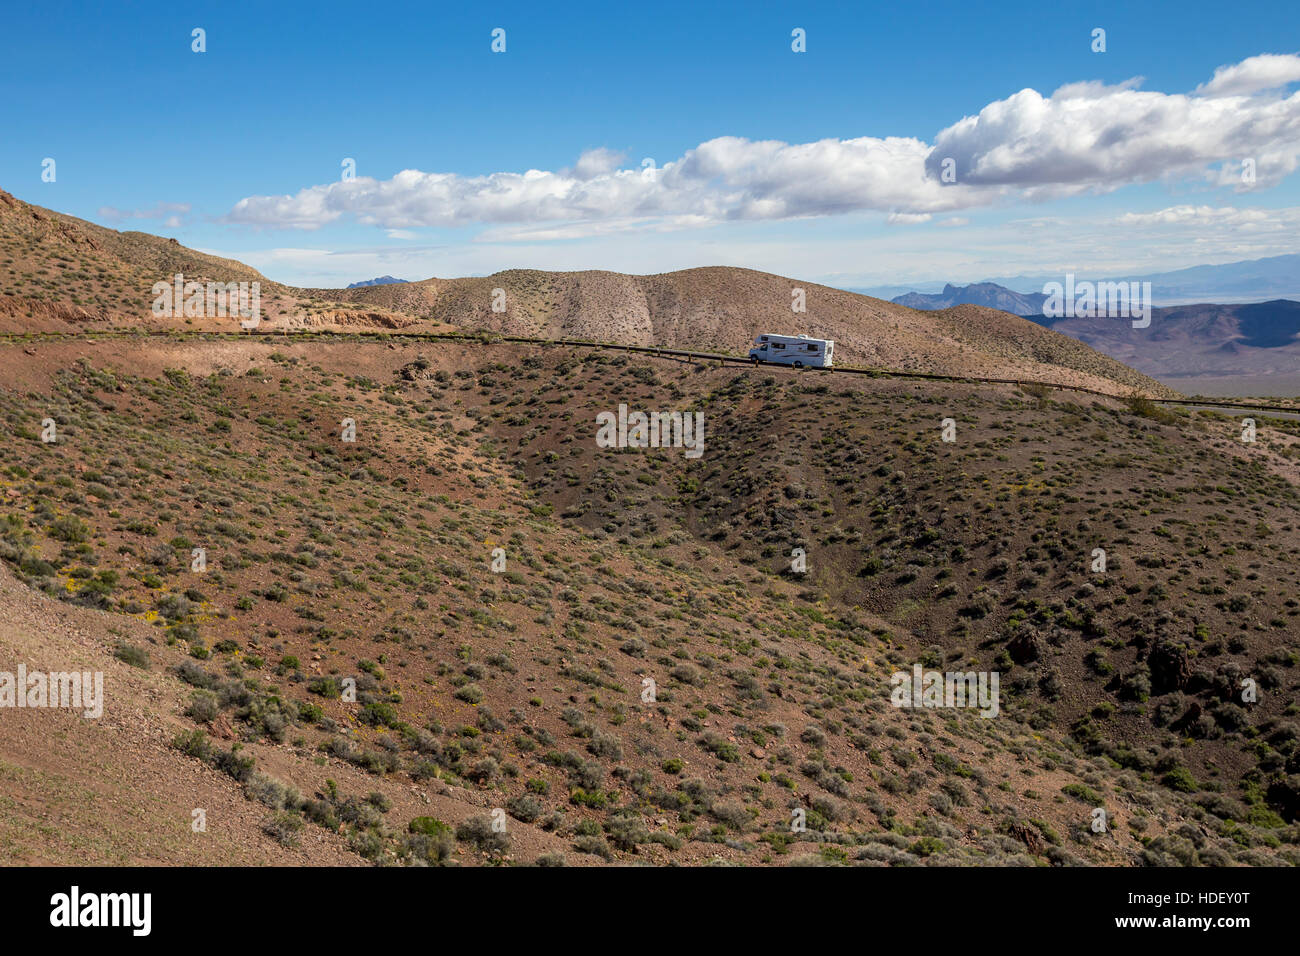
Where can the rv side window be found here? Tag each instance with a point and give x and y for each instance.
(812, 348)
(778, 345)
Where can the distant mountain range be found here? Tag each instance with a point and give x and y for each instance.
(1209, 349)
(1250, 280)
(382, 280)
(1228, 348)
(979, 293)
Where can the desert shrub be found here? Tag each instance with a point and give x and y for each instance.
(379, 713)
(828, 807)
(130, 654)
(327, 687)
(429, 839)
(195, 675)
(734, 815)
(429, 826)
(233, 763)
(605, 745)
(367, 844)
(484, 771)
(431, 848)
(203, 707)
(194, 743)
(720, 747)
(1169, 850)
(1145, 408)
(479, 832)
(272, 793)
(594, 845)
(283, 827)
(587, 774)
(1085, 794)
(927, 846)
(626, 830)
(665, 839)
(525, 807)
(686, 673)
(69, 528)
(470, 694)
(813, 736)
(1180, 778)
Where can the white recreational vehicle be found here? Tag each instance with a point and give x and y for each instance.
(796, 350)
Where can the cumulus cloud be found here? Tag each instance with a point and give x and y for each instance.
(596, 162)
(1086, 138)
(1083, 137)
(1268, 71)
(728, 178)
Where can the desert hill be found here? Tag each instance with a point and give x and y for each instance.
(520, 689)
(61, 273)
(352, 498)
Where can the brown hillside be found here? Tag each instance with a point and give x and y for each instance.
(521, 690)
(63, 273)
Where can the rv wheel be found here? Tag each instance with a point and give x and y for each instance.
(798, 364)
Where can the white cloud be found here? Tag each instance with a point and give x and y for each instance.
(1084, 137)
(1193, 214)
(870, 253)
(728, 178)
(596, 162)
(1226, 217)
(1268, 71)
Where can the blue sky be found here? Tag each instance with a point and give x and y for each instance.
(149, 135)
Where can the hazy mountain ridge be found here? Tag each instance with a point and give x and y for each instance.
(1247, 280)
(381, 280)
(1191, 345)
(987, 294)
